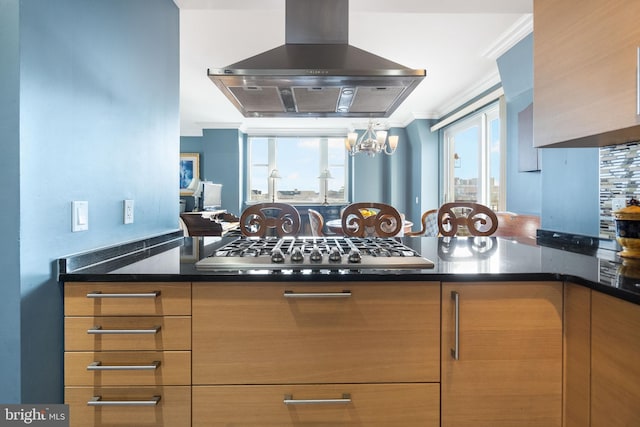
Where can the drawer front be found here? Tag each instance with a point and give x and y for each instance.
(254, 334)
(370, 405)
(127, 333)
(122, 299)
(113, 368)
(129, 406)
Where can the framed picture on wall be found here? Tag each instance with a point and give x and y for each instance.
(189, 173)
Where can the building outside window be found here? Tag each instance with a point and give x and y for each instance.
(474, 159)
(298, 163)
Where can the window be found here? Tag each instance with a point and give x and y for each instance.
(474, 160)
(299, 162)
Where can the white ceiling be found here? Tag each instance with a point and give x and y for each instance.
(456, 41)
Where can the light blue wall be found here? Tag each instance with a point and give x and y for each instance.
(425, 169)
(524, 193)
(220, 162)
(10, 198)
(99, 121)
(566, 192)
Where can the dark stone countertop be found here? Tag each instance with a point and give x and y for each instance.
(171, 257)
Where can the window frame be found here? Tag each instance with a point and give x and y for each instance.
(323, 156)
(481, 118)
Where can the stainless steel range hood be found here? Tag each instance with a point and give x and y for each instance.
(316, 73)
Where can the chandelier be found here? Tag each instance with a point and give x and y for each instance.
(371, 142)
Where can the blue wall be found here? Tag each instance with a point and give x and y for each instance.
(566, 192)
(99, 121)
(10, 198)
(524, 193)
(424, 163)
(220, 162)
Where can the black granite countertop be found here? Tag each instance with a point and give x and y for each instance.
(171, 257)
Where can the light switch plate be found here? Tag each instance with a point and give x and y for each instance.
(79, 216)
(128, 211)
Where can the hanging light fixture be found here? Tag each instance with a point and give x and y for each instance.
(371, 142)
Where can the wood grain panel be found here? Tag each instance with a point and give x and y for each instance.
(509, 372)
(577, 355)
(173, 409)
(174, 368)
(174, 333)
(174, 299)
(372, 405)
(615, 371)
(250, 334)
(585, 55)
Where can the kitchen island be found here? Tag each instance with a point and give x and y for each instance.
(493, 334)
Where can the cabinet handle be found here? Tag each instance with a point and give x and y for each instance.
(289, 400)
(99, 294)
(97, 330)
(98, 366)
(291, 294)
(455, 351)
(97, 401)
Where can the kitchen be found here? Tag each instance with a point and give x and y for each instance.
(130, 115)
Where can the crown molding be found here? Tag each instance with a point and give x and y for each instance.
(519, 30)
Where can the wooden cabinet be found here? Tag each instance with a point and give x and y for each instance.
(615, 372)
(254, 343)
(501, 354)
(128, 354)
(585, 72)
(576, 356)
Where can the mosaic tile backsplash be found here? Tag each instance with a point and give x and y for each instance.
(619, 177)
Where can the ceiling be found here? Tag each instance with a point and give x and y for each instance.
(456, 41)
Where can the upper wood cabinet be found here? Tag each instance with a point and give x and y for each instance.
(586, 72)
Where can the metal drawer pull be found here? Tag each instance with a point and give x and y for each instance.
(98, 294)
(97, 401)
(98, 366)
(455, 351)
(291, 294)
(97, 330)
(289, 400)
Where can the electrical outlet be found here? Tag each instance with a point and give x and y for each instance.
(618, 203)
(79, 216)
(128, 211)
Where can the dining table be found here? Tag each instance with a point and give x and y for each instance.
(335, 226)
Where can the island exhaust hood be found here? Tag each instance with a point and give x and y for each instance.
(316, 73)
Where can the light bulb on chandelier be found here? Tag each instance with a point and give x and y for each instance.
(371, 142)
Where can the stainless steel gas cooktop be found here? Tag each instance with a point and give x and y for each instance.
(316, 253)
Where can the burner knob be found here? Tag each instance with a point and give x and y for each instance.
(334, 255)
(315, 255)
(354, 256)
(277, 256)
(296, 255)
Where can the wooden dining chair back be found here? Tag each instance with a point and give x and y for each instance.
(370, 219)
(316, 221)
(466, 218)
(429, 226)
(267, 219)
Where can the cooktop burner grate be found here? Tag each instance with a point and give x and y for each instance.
(317, 253)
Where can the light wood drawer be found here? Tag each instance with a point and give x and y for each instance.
(252, 334)
(371, 405)
(127, 368)
(172, 333)
(135, 299)
(172, 410)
